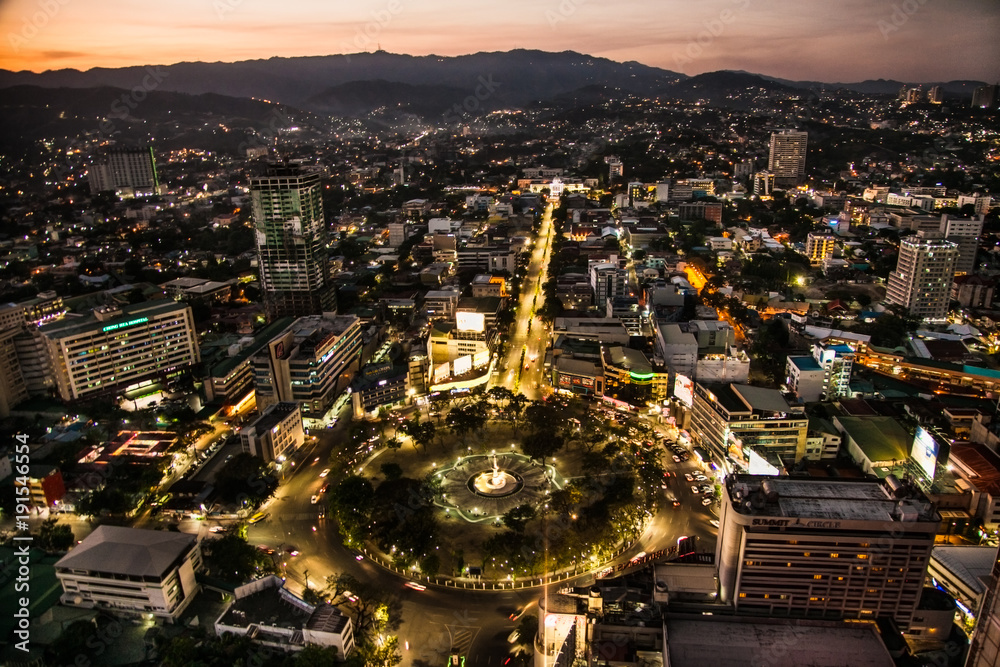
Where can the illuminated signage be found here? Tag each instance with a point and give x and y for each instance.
(925, 452)
(122, 325)
(470, 321)
(684, 390)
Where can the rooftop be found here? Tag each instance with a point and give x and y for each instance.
(973, 565)
(74, 324)
(880, 438)
(128, 551)
(843, 499)
(690, 642)
(273, 415)
(805, 363)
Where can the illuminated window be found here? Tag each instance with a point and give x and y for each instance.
(834, 555)
(817, 576)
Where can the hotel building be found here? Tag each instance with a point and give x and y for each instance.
(821, 548)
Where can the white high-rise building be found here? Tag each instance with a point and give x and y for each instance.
(923, 276)
(126, 171)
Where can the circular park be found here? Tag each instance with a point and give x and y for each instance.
(495, 488)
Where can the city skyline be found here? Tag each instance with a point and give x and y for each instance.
(852, 41)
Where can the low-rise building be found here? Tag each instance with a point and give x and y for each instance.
(275, 434)
(131, 570)
(272, 616)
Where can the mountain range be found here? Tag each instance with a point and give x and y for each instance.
(355, 84)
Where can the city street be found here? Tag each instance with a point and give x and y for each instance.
(529, 336)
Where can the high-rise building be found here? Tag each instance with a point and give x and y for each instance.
(116, 347)
(984, 651)
(965, 232)
(935, 95)
(787, 160)
(291, 243)
(125, 171)
(923, 276)
(310, 363)
(821, 548)
(985, 97)
(734, 422)
(608, 281)
(819, 247)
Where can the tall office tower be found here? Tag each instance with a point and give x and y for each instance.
(923, 276)
(126, 171)
(985, 96)
(984, 651)
(788, 156)
(935, 95)
(822, 548)
(291, 243)
(965, 232)
(819, 247)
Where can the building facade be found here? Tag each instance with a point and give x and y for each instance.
(309, 363)
(275, 434)
(819, 247)
(291, 235)
(820, 548)
(731, 420)
(116, 347)
(923, 277)
(787, 157)
(126, 171)
(132, 570)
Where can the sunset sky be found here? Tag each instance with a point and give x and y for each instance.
(844, 40)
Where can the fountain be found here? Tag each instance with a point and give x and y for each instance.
(495, 482)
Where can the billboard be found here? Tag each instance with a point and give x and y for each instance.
(925, 451)
(470, 321)
(759, 465)
(684, 390)
(462, 365)
(441, 373)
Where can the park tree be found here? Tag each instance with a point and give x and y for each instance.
(53, 536)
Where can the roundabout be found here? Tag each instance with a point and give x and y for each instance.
(483, 487)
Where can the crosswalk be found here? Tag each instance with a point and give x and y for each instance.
(462, 638)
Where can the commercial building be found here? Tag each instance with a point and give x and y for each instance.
(310, 363)
(272, 616)
(700, 210)
(607, 281)
(132, 570)
(787, 158)
(125, 171)
(275, 434)
(963, 572)
(46, 486)
(800, 547)
(819, 247)
(965, 232)
(13, 390)
(380, 384)
(984, 651)
(824, 376)
(290, 228)
(230, 380)
(736, 421)
(923, 276)
(116, 347)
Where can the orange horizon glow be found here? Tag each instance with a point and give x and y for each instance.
(846, 41)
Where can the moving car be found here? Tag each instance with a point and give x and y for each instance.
(415, 586)
(325, 472)
(314, 499)
(259, 516)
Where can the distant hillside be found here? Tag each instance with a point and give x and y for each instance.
(516, 77)
(166, 117)
(722, 86)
